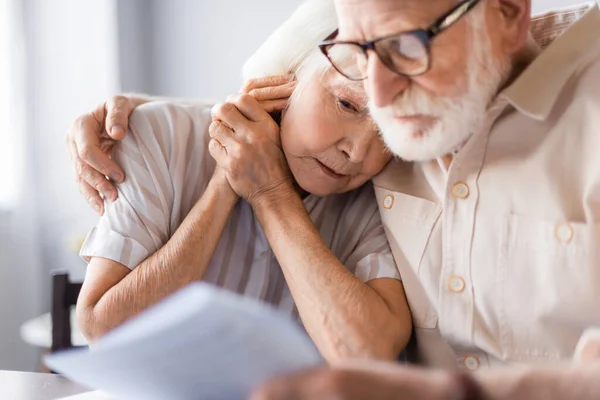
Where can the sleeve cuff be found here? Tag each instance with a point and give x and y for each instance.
(111, 245)
(376, 266)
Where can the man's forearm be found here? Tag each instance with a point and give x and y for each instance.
(182, 260)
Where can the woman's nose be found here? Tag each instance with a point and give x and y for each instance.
(357, 147)
(382, 85)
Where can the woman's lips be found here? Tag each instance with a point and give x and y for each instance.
(328, 171)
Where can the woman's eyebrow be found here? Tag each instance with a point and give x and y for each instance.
(356, 92)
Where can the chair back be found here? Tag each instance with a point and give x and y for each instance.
(64, 295)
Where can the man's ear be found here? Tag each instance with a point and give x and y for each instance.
(512, 19)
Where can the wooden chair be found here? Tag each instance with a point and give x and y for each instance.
(64, 295)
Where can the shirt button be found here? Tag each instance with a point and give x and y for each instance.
(388, 202)
(563, 232)
(456, 284)
(460, 190)
(471, 363)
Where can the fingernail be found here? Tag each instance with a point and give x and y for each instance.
(110, 196)
(118, 177)
(117, 130)
(98, 208)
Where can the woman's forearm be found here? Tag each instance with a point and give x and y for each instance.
(182, 260)
(345, 317)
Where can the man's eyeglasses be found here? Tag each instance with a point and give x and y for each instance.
(405, 53)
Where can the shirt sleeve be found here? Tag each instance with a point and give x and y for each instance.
(166, 147)
(371, 256)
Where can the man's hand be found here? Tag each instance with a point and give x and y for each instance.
(369, 381)
(383, 381)
(90, 140)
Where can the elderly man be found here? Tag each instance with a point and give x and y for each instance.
(495, 223)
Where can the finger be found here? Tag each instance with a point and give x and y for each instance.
(274, 105)
(248, 106)
(218, 152)
(225, 135)
(276, 80)
(92, 197)
(87, 141)
(230, 115)
(118, 109)
(274, 92)
(96, 180)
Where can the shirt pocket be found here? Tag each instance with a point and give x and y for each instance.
(409, 222)
(549, 279)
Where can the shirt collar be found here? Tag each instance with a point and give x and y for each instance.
(570, 38)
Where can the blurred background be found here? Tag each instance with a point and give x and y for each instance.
(61, 58)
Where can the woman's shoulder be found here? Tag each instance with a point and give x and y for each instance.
(170, 120)
(166, 147)
(170, 130)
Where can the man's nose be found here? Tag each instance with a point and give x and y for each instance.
(382, 85)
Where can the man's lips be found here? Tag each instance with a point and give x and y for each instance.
(330, 172)
(422, 123)
(415, 118)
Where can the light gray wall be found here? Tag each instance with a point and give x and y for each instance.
(191, 48)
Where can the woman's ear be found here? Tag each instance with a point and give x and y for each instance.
(511, 21)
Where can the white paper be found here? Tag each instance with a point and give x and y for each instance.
(97, 395)
(202, 343)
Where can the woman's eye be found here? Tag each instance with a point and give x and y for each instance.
(348, 106)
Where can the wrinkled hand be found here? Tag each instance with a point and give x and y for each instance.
(272, 93)
(373, 381)
(90, 140)
(245, 143)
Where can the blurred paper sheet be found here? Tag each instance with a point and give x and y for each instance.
(202, 343)
(97, 395)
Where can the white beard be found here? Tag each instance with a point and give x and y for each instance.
(456, 118)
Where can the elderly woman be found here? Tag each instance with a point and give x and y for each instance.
(306, 235)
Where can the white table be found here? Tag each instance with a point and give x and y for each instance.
(30, 386)
(38, 332)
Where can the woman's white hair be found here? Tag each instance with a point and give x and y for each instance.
(293, 46)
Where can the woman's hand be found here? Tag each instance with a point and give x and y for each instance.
(90, 140)
(245, 143)
(272, 93)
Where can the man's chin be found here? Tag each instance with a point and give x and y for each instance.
(414, 144)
